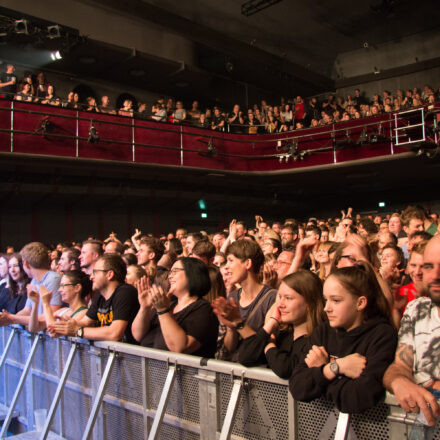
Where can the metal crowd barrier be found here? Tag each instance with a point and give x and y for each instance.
(110, 390)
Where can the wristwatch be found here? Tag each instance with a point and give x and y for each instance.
(80, 332)
(239, 325)
(334, 367)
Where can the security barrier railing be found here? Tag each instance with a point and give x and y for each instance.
(111, 390)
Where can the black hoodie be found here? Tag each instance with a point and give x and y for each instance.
(376, 339)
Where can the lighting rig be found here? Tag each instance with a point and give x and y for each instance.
(290, 151)
(93, 134)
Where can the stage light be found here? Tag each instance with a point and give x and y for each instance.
(21, 27)
(56, 55)
(381, 204)
(93, 134)
(53, 31)
(202, 204)
(204, 215)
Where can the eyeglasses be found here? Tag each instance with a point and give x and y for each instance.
(67, 284)
(349, 257)
(100, 270)
(175, 270)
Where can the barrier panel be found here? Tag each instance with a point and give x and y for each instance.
(113, 391)
(38, 129)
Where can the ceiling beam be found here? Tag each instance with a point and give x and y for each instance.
(211, 38)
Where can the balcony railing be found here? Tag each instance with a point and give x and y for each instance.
(35, 129)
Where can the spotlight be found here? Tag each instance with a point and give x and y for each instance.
(21, 27)
(93, 134)
(53, 31)
(45, 126)
(56, 55)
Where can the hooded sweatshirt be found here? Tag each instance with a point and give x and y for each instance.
(376, 339)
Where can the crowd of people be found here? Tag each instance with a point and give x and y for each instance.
(288, 115)
(343, 307)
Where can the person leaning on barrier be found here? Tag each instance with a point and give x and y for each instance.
(36, 264)
(283, 340)
(75, 287)
(113, 309)
(244, 259)
(179, 320)
(351, 351)
(414, 377)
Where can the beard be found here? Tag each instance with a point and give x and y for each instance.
(435, 296)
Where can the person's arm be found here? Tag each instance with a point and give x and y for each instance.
(399, 380)
(353, 394)
(141, 323)
(34, 326)
(303, 250)
(231, 237)
(175, 337)
(46, 297)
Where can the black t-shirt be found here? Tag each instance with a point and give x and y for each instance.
(12, 305)
(122, 305)
(11, 89)
(197, 320)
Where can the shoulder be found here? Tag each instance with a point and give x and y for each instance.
(419, 309)
(125, 291)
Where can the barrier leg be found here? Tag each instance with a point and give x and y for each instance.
(99, 396)
(20, 385)
(343, 426)
(58, 392)
(163, 402)
(7, 347)
(231, 412)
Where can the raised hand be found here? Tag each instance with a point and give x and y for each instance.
(227, 311)
(32, 293)
(143, 287)
(45, 295)
(159, 298)
(233, 229)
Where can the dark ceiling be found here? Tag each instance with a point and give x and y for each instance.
(287, 49)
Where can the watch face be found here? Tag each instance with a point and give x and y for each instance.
(334, 368)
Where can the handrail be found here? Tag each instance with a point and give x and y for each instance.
(248, 391)
(142, 139)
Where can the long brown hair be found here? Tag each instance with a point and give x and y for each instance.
(309, 286)
(361, 280)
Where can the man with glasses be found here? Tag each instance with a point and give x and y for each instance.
(288, 236)
(111, 313)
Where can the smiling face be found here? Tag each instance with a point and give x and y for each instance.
(177, 279)
(236, 269)
(389, 258)
(68, 291)
(415, 265)
(292, 306)
(343, 309)
(14, 269)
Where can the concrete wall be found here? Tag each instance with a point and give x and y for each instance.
(420, 47)
(404, 82)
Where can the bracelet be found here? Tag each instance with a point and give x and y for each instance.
(278, 322)
(162, 312)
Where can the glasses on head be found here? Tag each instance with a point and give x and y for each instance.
(66, 284)
(175, 270)
(99, 270)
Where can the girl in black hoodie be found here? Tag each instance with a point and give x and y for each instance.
(351, 352)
